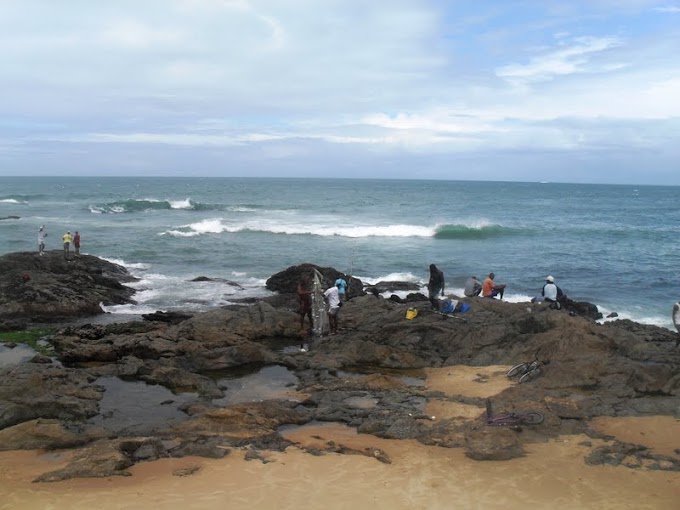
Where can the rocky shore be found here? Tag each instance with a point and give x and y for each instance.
(370, 376)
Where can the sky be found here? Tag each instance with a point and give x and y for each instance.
(578, 91)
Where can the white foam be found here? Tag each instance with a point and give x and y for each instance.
(11, 201)
(180, 204)
(207, 226)
(128, 265)
(330, 229)
(392, 277)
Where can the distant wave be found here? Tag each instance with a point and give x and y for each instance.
(12, 201)
(483, 231)
(152, 204)
(216, 226)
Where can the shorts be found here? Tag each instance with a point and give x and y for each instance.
(334, 311)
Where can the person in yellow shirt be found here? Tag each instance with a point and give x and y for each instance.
(67, 244)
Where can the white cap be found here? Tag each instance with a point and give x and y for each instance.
(550, 279)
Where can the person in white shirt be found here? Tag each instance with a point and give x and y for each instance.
(42, 233)
(549, 291)
(333, 298)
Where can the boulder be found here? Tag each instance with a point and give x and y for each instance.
(49, 288)
(286, 281)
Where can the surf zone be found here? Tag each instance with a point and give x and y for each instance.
(473, 232)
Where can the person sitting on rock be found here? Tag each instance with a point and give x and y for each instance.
(472, 287)
(550, 293)
(491, 289)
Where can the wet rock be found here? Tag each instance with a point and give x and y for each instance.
(256, 455)
(209, 447)
(13, 325)
(49, 288)
(29, 391)
(286, 281)
(39, 358)
(612, 315)
(168, 317)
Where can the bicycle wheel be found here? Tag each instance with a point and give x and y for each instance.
(517, 370)
(530, 375)
(532, 418)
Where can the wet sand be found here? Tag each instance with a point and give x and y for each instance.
(552, 475)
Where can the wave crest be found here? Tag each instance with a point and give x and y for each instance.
(484, 231)
(150, 204)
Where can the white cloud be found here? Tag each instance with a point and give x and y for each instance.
(565, 60)
(672, 9)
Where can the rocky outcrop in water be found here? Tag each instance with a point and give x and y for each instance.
(616, 369)
(48, 288)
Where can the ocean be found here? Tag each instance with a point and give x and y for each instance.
(617, 246)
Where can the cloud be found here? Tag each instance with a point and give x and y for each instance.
(298, 77)
(565, 60)
(672, 9)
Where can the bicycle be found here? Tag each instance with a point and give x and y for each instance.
(512, 420)
(528, 370)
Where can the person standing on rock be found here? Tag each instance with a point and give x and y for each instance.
(42, 234)
(305, 305)
(332, 295)
(67, 244)
(491, 289)
(341, 284)
(435, 285)
(76, 243)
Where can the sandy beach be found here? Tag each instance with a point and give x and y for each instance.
(551, 475)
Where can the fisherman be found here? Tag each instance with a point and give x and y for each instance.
(42, 234)
(76, 243)
(435, 285)
(67, 244)
(332, 296)
(341, 284)
(472, 287)
(305, 306)
(676, 320)
(491, 289)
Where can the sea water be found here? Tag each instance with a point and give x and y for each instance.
(612, 245)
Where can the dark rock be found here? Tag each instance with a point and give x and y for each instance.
(612, 315)
(382, 287)
(286, 281)
(10, 218)
(13, 325)
(49, 288)
(220, 280)
(211, 447)
(29, 391)
(168, 317)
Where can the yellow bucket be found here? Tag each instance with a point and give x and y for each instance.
(411, 313)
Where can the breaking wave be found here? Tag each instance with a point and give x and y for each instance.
(152, 204)
(217, 226)
(481, 231)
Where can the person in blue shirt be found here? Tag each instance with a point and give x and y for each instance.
(341, 284)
